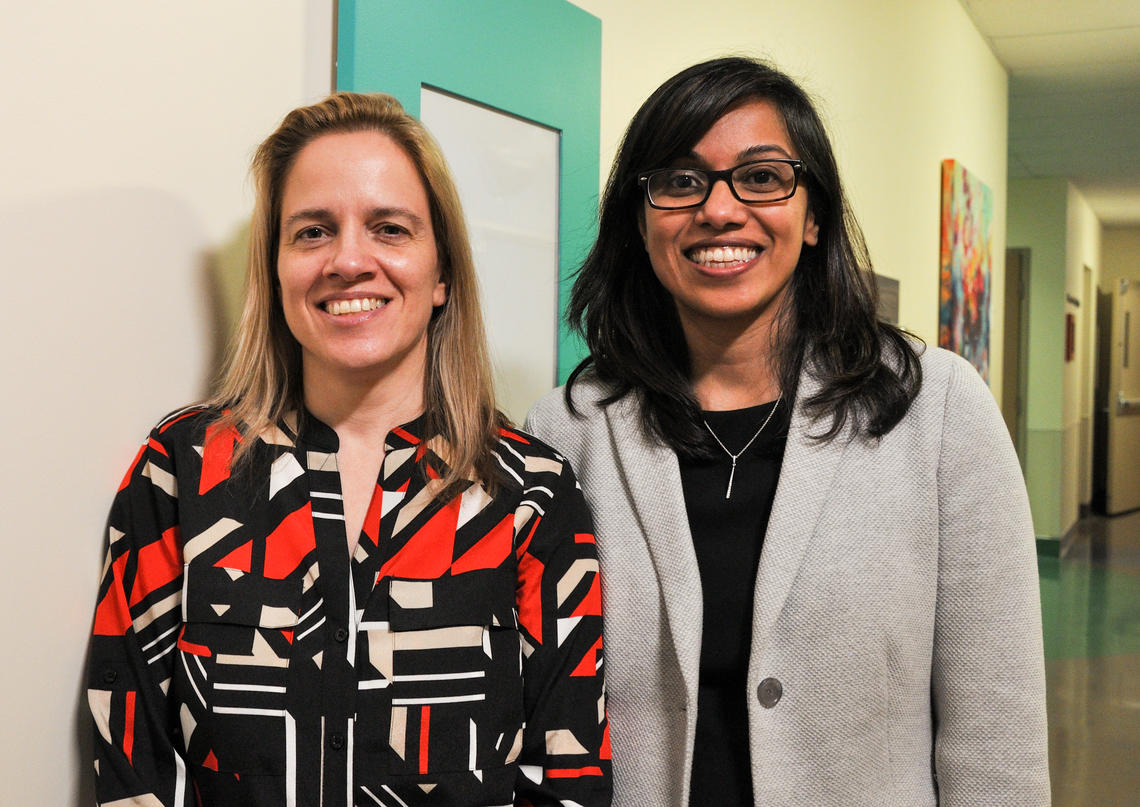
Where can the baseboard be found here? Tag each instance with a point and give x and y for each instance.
(1049, 547)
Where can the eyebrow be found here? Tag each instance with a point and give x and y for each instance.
(760, 150)
(324, 214)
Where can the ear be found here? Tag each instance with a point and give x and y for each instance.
(439, 294)
(811, 230)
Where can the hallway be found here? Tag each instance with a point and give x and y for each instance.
(1091, 617)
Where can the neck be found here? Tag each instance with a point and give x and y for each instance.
(732, 368)
(364, 406)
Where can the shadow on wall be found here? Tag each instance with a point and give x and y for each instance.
(226, 284)
(198, 306)
(119, 312)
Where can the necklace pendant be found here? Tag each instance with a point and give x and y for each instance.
(731, 474)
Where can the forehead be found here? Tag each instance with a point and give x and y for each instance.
(753, 129)
(353, 165)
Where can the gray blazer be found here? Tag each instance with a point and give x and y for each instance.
(896, 636)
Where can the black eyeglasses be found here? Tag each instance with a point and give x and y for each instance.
(759, 181)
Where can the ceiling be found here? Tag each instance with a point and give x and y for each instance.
(1074, 94)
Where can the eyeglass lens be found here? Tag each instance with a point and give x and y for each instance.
(753, 182)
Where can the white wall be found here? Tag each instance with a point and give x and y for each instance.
(127, 133)
(902, 86)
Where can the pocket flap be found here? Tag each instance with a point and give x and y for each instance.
(480, 597)
(221, 595)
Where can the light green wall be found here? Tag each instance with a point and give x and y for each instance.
(1051, 218)
(1036, 220)
(1037, 215)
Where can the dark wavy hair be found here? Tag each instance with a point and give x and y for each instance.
(869, 370)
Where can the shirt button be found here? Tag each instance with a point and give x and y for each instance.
(336, 741)
(769, 692)
(340, 635)
(110, 677)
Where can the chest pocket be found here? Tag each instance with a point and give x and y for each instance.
(451, 681)
(234, 668)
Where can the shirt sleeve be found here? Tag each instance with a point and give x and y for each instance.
(137, 624)
(565, 758)
(987, 677)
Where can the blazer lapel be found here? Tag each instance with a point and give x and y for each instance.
(807, 478)
(653, 478)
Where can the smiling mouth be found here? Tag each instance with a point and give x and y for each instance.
(716, 257)
(354, 306)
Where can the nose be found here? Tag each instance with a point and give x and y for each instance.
(351, 259)
(722, 209)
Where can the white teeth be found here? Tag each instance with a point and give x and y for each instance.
(353, 306)
(708, 256)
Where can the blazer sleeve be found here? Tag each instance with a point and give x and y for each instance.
(987, 677)
(136, 629)
(565, 757)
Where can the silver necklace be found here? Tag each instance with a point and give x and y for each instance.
(736, 456)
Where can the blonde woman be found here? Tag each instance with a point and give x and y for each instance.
(345, 579)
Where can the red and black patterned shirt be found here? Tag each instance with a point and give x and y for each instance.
(241, 657)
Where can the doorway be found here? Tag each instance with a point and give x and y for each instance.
(1116, 441)
(1015, 342)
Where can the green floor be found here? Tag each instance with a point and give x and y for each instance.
(1088, 609)
(1090, 602)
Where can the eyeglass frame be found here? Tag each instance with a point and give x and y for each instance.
(798, 168)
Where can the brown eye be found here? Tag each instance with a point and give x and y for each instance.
(310, 233)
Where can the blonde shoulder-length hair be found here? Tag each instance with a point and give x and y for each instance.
(260, 383)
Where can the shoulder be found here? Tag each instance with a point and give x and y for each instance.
(532, 464)
(185, 425)
(552, 418)
(588, 395)
(957, 409)
(950, 379)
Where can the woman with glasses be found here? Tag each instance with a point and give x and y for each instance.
(820, 572)
(346, 580)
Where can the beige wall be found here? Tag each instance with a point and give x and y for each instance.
(1120, 254)
(902, 86)
(1082, 255)
(128, 128)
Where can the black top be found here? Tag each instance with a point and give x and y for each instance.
(727, 535)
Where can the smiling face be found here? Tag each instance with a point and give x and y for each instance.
(727, 262)
(357, 261)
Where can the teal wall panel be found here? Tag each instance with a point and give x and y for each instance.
(537, 59)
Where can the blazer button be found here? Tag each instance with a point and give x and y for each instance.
(769, 692)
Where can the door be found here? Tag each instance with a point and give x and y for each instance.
(1122, 476)
(1014, 354)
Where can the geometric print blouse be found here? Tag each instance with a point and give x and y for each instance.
(241, 657)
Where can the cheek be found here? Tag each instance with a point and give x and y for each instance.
(658, 241)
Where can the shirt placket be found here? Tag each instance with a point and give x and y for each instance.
(337, 693)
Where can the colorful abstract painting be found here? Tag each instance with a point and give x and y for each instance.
(964, 308)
